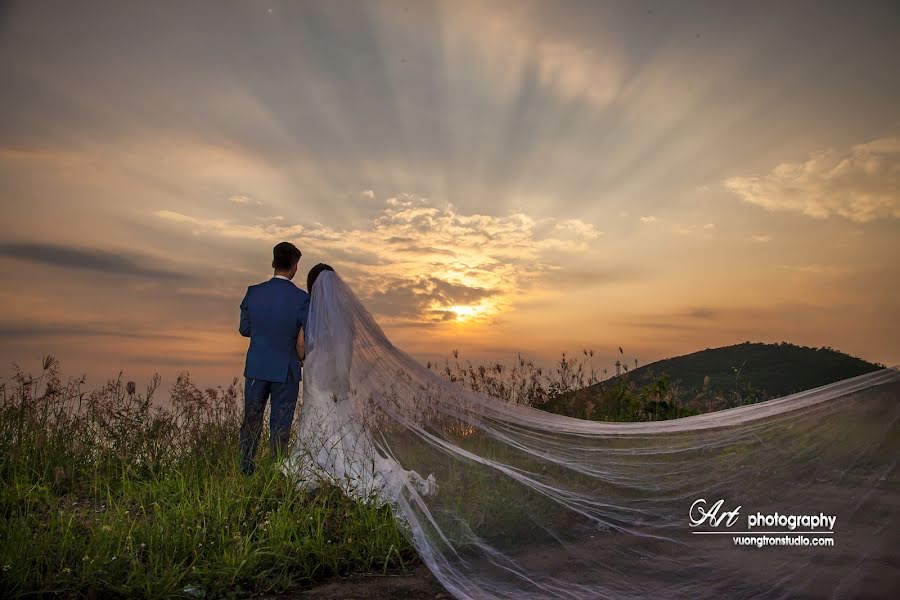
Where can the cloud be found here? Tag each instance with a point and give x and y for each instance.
(812, 269)
(648, 219)
(761, 239)
(860, 184)
(578, 228)
(558, 277)
(229, 229)
(695, 229)
(477, 264)
(91, 259)
(425, 298)
(513, 42)
(702, 312)
(243, 199)
(20, 330)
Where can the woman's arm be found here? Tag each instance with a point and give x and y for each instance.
(301, 349)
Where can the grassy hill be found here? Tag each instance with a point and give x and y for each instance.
(772, 369)
(708, 380)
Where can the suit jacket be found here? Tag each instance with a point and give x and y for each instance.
(272, 314)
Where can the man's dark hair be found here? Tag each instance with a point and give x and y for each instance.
(314, 273)
(284, 256)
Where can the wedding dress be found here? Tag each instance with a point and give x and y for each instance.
(502, 500)
(335, 444)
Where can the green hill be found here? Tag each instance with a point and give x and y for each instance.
(708, 380)
(772, 369)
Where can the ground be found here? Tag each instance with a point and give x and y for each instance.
(416, 584)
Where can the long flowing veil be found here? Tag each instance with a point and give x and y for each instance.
(536, 505)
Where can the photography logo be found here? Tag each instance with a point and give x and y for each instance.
(761, 530)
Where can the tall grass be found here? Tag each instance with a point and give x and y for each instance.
(106, 495)
(574, 386)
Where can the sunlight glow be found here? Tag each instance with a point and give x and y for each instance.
(468, 313)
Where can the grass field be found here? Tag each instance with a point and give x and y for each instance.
(104, 495)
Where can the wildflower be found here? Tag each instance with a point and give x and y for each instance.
(7, 567)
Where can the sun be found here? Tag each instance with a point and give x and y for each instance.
(467, 313)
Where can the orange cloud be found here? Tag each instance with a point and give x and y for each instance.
(861, 184)
(475, 264)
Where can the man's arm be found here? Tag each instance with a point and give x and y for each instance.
(244, 327)
(301, 348)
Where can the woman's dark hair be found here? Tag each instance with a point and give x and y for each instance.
(284, 256)
(314, 274)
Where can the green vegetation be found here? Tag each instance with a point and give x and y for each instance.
(774, 369)
(104, 495)
(570, 388)
(705, 381)
(716, 379)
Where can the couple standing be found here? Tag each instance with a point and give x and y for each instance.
(274, 316)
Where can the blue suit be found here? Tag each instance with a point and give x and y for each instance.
(273, 314)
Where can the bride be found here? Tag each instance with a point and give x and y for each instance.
(506, 501)
(335, 443)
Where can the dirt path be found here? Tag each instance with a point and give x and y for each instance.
(416, 584)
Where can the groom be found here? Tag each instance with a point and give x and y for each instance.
(273, 316)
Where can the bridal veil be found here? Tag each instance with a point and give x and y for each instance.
(505, 501)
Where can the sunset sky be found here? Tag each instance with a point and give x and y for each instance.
(497, 177)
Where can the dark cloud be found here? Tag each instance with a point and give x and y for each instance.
(441, 316)
(90, 259)
(188, 361)
(337, 256)
(413, 299)
(454, 293)
(703, 312)
(659, 325)
(425, 250)
(580, 278)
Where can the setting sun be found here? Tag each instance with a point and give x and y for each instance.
(512, 181)
(467, 313)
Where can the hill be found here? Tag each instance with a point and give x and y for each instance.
(708, 380)
(772, 369)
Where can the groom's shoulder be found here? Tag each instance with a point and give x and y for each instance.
(258, 287)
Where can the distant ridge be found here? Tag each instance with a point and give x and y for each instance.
(708, 380)
(773, 369)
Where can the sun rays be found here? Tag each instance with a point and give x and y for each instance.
(522, 176)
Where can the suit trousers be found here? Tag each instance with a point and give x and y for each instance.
(284, 402)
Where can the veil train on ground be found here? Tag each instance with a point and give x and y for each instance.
(502, 500)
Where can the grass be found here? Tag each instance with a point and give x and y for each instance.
(104, 495)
